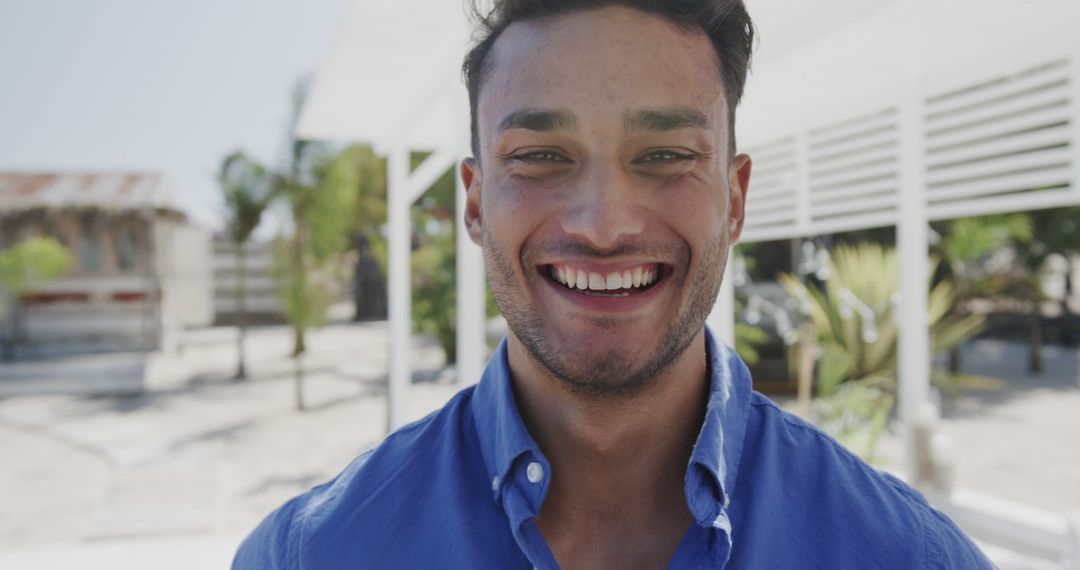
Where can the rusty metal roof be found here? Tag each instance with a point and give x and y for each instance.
(112, 191)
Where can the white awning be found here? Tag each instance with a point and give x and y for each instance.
(393, 77)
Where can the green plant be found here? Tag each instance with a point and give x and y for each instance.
(320, 189)
(247, 189)
(24, 266)
(854, 318)
(434, 262)
(747, 340)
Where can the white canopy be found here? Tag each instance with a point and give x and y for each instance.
(393, 77)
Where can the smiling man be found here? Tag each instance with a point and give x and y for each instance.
(611, 429)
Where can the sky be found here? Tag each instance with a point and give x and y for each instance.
(155, 85)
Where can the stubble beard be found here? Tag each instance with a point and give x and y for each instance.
(611, 374)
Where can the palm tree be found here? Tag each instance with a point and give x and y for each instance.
(320, 187)
(965, 245)
(247, 189)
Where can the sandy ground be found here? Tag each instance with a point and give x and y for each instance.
(175, 476)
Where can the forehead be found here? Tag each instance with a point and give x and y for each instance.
(612, 58)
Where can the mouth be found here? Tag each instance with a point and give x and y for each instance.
(623, 282)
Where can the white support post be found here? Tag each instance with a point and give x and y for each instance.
(722, 317)
(399, 290)
(913, 244)
(471, 341)
(429, 171)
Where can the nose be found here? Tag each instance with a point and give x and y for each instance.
(606, 210)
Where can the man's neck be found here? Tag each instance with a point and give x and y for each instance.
(618, 464)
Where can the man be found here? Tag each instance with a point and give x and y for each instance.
(610, 429)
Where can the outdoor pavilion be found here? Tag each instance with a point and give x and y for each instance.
(968, 106)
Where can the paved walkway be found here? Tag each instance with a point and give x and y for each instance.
(174, 477)
(198, 459)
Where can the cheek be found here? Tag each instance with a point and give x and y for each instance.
(696, 207)
(512, 213)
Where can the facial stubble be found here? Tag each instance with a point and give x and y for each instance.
(611, 373)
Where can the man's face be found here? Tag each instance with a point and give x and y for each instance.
(603, 196)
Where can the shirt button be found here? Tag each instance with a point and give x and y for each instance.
(495, 483)
(535, 472)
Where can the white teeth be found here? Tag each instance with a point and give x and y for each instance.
(579, 279)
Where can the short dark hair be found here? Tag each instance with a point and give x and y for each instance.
(726, 23)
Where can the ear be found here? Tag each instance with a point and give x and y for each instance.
(738, 184)
(474, 223)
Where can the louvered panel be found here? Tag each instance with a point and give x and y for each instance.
(876, 140)
(772, 201)
(770, 209)
(769, 195)
(1022, 182)
(854, 169)
(777, 181)
(1039, 160)
(854, 222)
(776, 151)
(760, 206)
(867, 156)
(873, 204)
(855, 174)
(1049, 198)
(1001, 128)
(1055, 94)
(876, 189)
(995, 90)
(769, 169)
(989, 149)
(780, 218)
(1009, 136)
(859, 127)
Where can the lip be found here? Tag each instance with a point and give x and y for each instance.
(611, 305)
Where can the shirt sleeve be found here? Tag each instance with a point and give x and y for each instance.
(948, 547)
(271, 546)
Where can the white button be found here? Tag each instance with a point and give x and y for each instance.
(495, 483)
(535, 472)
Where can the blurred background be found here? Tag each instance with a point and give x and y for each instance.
(230, 262)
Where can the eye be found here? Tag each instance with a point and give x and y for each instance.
(540, 156)
(663, 157)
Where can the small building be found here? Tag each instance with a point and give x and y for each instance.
(262, 302)
(140, 270)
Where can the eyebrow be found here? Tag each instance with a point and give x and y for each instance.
(538, 120)
(664, 119)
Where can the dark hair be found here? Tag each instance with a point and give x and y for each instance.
(725, 22)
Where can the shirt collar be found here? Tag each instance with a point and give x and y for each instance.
(503, 436)
(714, 462)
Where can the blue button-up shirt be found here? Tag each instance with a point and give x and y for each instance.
(462, 488)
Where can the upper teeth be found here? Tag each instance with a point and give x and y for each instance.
(639, 276)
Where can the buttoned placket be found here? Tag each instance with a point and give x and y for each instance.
(521, 492)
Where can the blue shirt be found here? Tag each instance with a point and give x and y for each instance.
(462, 488)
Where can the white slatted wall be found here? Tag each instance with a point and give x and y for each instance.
(1004, 142)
